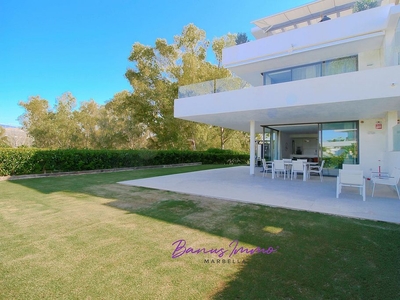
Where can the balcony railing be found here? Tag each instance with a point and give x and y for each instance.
(212, 86)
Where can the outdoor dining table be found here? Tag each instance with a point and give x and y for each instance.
(306, 166)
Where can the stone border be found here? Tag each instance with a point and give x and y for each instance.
(17, 177)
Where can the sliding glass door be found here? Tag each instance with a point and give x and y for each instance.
(271, 149)
(339, 145)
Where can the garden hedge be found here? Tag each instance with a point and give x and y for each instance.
(37, 161)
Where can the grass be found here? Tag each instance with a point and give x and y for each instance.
(86, 237)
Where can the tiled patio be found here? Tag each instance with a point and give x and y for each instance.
(313, 195)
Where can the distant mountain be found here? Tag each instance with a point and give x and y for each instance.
(16, 136)
(8, 126)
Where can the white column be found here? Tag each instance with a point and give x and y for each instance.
(252, 147)
(391, 122)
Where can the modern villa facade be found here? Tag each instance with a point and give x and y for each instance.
(319, 82)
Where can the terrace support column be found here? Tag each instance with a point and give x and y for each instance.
(252, 147)
(391, 122)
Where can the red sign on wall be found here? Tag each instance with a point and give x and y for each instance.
(378, 125)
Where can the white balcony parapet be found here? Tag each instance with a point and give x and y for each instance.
(212, 86)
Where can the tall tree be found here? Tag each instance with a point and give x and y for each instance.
(65, 130)
(36, 121)
(51, 128)
(218, 45)
(241, 38)
(4, 143)
(87, 118)
(128, 133)
(155, 77)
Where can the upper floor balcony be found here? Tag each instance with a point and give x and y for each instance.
(342, 97)
(349, 35)
(373, 36)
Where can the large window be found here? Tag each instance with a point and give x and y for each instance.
(339, 144)
(325, 68)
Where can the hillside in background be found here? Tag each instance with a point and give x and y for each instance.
(16, 136)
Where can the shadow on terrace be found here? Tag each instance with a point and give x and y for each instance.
(318, 256)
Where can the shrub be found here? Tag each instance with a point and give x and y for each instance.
(35, 161)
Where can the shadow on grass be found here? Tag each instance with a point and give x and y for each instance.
(317, 257)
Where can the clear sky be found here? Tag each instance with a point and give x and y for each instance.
(50, 47)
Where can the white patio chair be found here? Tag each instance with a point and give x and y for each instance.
(288, 165)
(393, 180)
(278, 167)
(352, 178)
(297, 167)
(351, 167)
(266, 167)
(316, 170)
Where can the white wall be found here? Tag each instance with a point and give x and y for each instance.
(369, 60)
(373, 145)
(360, 25)
(393, 159)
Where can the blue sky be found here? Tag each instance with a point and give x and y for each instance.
(82, 46)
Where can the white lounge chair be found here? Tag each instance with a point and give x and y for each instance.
(392, 180)
(352, 178)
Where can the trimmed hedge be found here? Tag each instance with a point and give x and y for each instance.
(36, 161)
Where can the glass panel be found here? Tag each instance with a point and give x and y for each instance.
(306, 72)
(341, 65)
(278, 77)
(331, 67)
(396, 137)
(339, 144)
(270, 144)
(197, 89)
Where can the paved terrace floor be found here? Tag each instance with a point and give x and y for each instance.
(312, 195)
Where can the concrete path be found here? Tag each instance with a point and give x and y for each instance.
(313, 195)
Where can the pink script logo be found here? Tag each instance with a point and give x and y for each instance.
(233, 248)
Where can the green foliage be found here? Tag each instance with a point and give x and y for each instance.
(241, 38)
(36, 161)
(4, 143)
(364, 5)
(144, 117)
(334, 162)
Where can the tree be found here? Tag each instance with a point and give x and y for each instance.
(218, 45)
(65, 130)
(155, 77)
(241, 38)
(50, 128)
(361, 5)
(36, 120)
(87, 118)
(120, 129)
(4, 143)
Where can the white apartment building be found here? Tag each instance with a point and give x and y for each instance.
(319, 82)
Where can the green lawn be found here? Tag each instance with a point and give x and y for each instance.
(86, 237)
